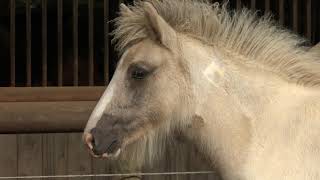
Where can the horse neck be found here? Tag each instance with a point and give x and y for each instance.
(228, 98)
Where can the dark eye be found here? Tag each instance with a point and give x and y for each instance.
(139, 73)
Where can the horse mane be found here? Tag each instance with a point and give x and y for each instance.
(242, 33)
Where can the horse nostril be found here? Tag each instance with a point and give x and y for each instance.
(97, 146)
(95, 136)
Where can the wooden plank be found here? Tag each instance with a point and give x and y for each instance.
(309, 19)
(181, 156)
(295, 16)
(44, 43)
(101, 166)
(157, 167)
(79, 160)
(198, 163)
(39, 94)
(12, 43)
(106, 41)
(178, 159)
(91, 41)
(55, 154)
(253, 4)
(267, 6)
(238, 4)
(60, 41)
(48, 155)
(29, 155)
(28, 40)
(75, 43)
(281, 12)
(44, 116)
(8, 155)
(61, 153)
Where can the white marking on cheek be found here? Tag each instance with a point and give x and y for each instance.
(100, 107)
(213, 73)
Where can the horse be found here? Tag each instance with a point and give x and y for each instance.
(242, 89)
(315, 49)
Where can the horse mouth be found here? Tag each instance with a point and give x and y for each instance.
(111, 155)
(110, 145)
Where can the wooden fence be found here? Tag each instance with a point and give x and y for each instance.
(60, 154)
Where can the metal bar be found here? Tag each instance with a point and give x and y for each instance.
(50, 94)
(109, 175)
(281, 12)
(12, 43)
(91, 42)
(238, 4)
(253, 4)
(75, 43)
(60, 43)
(309, 19)
(106, 42)
(267, 6)
(44, 43)
(28, 38)
(295, 16)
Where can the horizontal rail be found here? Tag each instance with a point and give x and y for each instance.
(44, 117)
(50, 94)
(112, 175)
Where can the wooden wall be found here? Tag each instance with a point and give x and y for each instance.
(60, 154)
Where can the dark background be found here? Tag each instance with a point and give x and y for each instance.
(288, 22)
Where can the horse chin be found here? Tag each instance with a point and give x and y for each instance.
(114, 155)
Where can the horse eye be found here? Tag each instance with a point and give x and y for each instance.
(139, 73)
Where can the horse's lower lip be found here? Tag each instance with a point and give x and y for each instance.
(105, 147)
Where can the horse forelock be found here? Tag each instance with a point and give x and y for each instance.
(241, 33)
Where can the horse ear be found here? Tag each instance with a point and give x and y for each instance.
(124, 9)
(162, 31)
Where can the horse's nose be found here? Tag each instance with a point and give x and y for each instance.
(100, 142)
(92, 140)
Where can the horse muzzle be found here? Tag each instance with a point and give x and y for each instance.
(102, 145)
